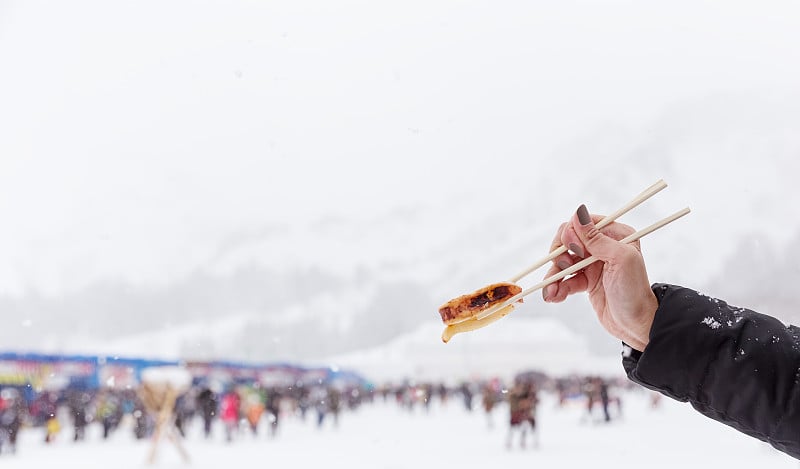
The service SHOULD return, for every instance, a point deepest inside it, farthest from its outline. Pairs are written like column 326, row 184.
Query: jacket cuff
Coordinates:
column 662, row 366
column 630, row 358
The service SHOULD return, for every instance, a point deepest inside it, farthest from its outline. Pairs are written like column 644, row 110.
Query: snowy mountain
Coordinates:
column 358, row 287
column 296, row 186
column 544, row 344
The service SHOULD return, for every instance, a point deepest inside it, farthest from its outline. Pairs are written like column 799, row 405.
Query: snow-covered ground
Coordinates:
column 383, row 436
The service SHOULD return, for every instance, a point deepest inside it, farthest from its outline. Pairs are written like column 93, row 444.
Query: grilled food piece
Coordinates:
column 467, row 306
column 474, row 324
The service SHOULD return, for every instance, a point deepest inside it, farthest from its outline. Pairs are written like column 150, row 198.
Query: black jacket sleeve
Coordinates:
column 732, row 364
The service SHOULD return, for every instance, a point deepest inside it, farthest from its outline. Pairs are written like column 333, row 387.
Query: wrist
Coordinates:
column 640, row 330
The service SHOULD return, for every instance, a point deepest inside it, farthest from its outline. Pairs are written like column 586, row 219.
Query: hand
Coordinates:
column 617, row 283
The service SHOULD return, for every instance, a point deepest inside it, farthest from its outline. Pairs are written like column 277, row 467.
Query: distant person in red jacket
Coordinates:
column 229, row 413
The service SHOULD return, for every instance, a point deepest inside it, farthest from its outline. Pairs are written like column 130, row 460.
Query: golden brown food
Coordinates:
column 474, row 324
column 467, row 306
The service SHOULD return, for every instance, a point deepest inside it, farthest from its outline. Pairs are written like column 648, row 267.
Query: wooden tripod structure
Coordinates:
column 158, row 397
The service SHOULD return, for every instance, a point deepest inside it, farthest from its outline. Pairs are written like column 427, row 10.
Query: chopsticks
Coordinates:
column 589, row 260
column 502, row 309
column 644, row 195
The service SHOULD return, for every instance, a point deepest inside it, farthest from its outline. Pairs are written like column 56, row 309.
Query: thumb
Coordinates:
column 596, row 243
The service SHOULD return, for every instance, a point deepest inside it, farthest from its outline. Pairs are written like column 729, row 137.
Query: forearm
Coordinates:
column 732, row 364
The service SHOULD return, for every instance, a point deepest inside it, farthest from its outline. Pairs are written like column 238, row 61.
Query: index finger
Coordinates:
column 563, row 260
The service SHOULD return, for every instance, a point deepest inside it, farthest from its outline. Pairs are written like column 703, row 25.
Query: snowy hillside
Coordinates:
column 302, row 181
column 543, row 344
column 337, row 286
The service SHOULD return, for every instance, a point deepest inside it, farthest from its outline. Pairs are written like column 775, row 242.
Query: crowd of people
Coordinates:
column 66, row 414
column 236, row 411
column 600, row 397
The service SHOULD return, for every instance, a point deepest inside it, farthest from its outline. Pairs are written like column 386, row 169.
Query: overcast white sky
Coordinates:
column 136, row 136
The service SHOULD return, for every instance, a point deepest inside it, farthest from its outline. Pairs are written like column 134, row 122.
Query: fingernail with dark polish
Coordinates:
column 562, row 264
column 576, row 249
column 583, row 215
